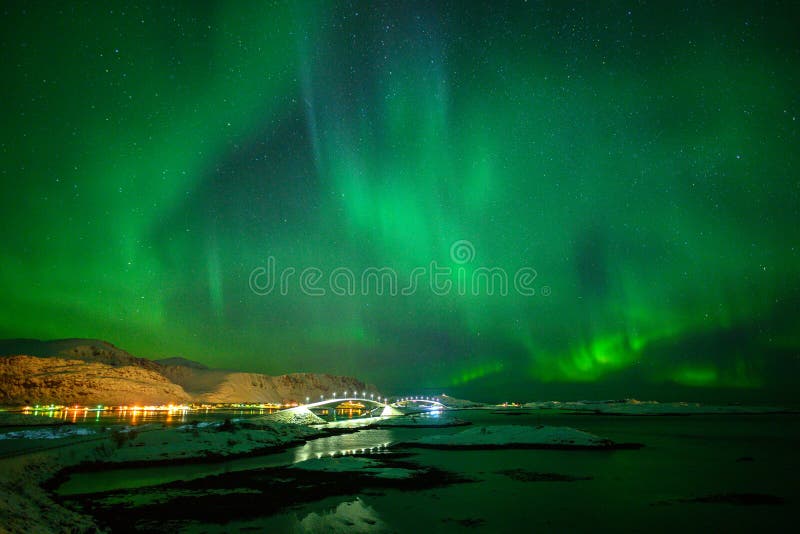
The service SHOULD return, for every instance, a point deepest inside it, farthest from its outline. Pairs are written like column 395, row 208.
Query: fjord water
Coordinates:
column 683, row 458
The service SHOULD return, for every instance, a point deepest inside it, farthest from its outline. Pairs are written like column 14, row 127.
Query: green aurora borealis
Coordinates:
column 642, row 157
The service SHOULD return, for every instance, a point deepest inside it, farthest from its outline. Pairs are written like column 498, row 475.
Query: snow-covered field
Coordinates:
column 361, row 465
column 352, row 516
column 293, row 416
column 59, row 432
column 26, row 506
column 452, row 402
column 192, row 442
column 514, row 436
column 358, row 422
column 419, row 421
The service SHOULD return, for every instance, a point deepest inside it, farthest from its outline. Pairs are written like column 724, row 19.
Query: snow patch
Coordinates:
column 420, row 421
column 293, row 416
column 48, row 433
column 354, row 516
column 511, row 435
column 349, row 464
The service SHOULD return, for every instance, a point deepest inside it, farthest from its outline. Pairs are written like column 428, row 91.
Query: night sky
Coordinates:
column 641, row 157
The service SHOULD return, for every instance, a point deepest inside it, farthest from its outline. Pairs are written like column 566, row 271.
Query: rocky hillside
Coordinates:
column 88, row 350
column 33, row 380
column 253, row 387
column 220, row 386
column 88, row 371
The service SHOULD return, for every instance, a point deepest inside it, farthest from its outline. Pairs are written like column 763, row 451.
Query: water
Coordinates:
column 108, row 416
column 683, row 458
column 87, row 416
column 112, row 479
column 343, row 444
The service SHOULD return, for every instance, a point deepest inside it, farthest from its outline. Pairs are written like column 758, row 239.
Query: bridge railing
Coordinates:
column 379, row 402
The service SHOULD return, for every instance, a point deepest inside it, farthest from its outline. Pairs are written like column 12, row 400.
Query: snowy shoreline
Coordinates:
column 517, row 437
column 419, row 421
column 27, row 480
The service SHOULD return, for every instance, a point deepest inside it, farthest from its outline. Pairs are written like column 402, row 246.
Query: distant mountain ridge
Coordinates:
column 182, row 362
column 83, row 371
column 88, row 350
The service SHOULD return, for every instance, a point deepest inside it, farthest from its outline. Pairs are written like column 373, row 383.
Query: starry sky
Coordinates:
column 639, row 157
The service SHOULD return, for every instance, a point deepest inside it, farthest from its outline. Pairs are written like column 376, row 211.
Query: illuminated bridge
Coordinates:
column 377, row 404
column 394, row 406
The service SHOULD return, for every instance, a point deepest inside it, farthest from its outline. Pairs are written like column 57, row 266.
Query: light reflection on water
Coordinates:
column 683, row 457
column 364, row 442
column 356, row 443
column 140, row 416
column 335, row 515
column 349, row 516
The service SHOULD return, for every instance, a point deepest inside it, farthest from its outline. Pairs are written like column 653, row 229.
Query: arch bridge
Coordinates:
column 381, row 403
column 342, row 400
